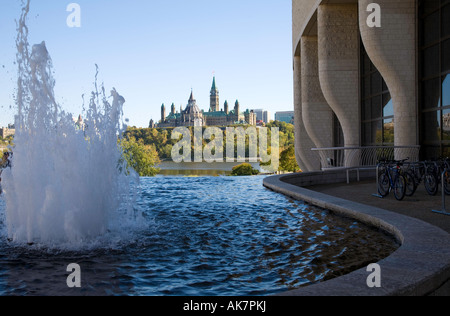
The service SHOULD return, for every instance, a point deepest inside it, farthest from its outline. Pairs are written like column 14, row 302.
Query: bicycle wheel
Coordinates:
column 431, row 183
column 411, row 185
column 383, row 184
column 399, row 187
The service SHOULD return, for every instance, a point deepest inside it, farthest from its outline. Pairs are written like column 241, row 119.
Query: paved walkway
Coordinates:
column 419, row 206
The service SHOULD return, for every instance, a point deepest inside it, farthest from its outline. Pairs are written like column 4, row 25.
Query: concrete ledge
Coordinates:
column 328, row 177
column 421, row 266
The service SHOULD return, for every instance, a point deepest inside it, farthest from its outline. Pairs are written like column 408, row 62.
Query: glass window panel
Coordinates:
column 388, row 131
column 431, row 61
column 338, row 133
column 385, row 87
column 445, row 62
column 429, row 5
column 445, row 18
column 432, row 126
column 446, row 125
column 377, row 107
column 445, row 152
column 376, row 83
column 377, row 131
column 366, row 84
column 367, row 64
column 388, row 109
column 446, row 91
column 431, row 29
column 431, row 152
column 431, row 93
column 367, row 134
column 367, row 108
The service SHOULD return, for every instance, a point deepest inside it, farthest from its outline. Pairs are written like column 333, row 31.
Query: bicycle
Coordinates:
column 418, row 172
column 434, row 170
column 443, row 171
column 390, row 178
column 411, row 183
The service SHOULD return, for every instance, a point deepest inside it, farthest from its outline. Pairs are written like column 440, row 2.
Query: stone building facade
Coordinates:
column 7, row 131
column 193, row 116
column 365, row 70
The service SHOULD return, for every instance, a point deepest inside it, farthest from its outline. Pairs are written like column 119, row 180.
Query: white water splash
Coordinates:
column 67, row 184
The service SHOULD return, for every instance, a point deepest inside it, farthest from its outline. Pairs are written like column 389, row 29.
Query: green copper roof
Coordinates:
column 173, row 116
column 214, row 88
column 215, row 114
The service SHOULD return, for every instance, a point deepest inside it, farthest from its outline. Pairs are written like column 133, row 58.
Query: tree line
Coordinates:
column 145, row 148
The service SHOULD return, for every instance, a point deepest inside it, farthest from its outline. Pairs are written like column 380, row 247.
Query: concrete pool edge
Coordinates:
column 421, row 266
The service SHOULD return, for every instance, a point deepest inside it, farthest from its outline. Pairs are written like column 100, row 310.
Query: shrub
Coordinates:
column 244, row 169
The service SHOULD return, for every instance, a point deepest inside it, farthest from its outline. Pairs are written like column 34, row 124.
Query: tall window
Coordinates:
column 434, row 33
column 376, row 105
column 338, row 133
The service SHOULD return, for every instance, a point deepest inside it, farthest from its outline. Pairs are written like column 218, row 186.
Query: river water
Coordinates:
column 202, row 236
column 170, row 168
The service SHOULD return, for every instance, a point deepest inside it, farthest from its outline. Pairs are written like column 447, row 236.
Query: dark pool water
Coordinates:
column 205, row 236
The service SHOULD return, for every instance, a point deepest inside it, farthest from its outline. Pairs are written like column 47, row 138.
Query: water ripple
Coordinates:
column 208, row 236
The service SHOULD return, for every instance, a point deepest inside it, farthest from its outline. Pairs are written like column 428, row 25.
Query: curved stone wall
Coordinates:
column 339, row 65
column 421, row 266
column 316, row 111
column 302, row 11
column 307, row 159
column 392, row 49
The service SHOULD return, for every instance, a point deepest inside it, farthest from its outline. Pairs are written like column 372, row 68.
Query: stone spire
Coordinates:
column 214, row 88
column 163, row 113
column 214, row 99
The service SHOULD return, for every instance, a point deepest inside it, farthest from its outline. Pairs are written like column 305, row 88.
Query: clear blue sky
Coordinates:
column 155, row 51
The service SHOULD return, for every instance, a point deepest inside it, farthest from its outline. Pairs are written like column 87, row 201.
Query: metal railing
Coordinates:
column 354, row 157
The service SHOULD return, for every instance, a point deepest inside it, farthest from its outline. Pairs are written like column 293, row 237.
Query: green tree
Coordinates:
column 244, row 169
column 286, row 146
column 142, row 158
column 288, row 161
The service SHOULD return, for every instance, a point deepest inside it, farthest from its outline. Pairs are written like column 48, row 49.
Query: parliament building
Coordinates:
column 193, row 116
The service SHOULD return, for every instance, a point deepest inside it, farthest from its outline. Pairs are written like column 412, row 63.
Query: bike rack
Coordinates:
column 378, row 194
column 444, row 211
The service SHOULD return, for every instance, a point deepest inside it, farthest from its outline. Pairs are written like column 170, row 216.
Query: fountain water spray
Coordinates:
column 68, row 184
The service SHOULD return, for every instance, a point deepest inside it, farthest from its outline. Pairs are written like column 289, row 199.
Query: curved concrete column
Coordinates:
column 392, row 49
column 339, row 65
column 307, row 160
column 317, row 114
